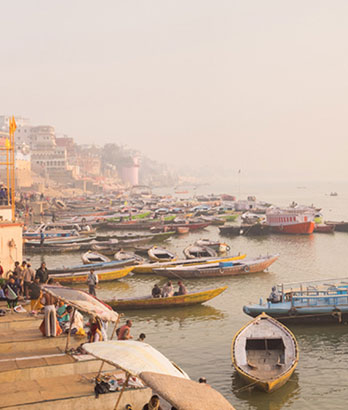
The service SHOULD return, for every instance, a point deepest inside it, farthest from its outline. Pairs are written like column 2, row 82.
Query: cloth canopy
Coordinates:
column 134, row 357
column 185, row 394
column 83, row 301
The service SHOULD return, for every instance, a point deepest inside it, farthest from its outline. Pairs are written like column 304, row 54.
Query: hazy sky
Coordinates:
column 258, row 85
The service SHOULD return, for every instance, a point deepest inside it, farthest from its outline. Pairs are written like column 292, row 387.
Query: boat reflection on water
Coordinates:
column 257, row 399
column 177, row 315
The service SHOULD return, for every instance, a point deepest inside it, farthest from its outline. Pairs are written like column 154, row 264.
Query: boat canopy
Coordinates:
column 83, row 301
column 134, row 357
column 185, row 394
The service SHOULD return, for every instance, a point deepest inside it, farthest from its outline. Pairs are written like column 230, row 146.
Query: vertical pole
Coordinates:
column 115, row 328
column 123, row 389
column 8, row 175
column 13, row 179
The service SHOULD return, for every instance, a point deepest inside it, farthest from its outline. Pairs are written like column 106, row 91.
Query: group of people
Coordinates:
column 168, row 290
column 22, row 282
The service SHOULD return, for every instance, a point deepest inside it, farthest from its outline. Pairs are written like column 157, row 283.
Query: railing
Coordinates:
column 323, row 299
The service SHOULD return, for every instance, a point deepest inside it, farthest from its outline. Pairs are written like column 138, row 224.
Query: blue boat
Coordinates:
column 313, row 301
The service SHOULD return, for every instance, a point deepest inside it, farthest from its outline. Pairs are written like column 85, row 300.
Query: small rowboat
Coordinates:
column 158, row 254
column 218, row 269
column 93, row 257
column 122, row 255
column 265, row 353
column 81, row 277
column 195, row 251
column 148, row 302
column 218, row 246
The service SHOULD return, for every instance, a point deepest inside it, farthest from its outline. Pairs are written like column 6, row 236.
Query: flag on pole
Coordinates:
column 12, row 125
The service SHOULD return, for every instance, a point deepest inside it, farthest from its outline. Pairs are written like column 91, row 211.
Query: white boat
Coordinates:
column 195, row 251
column 265, row 353
column 93, row 257
column 160, row 254
column 123, row 255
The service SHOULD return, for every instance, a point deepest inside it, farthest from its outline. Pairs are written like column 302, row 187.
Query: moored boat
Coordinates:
column 123, row 255
column 218, row 269
column 96, row 266
column 324, row 228
column 265, row 353
column 148, row 268
column 158, row 254
column 312, row 301
column 218, row 246
column 196, row 251
column 94, row 257
column 290, row 221
column 339, row 226
column 81, row 277
column 148, row 302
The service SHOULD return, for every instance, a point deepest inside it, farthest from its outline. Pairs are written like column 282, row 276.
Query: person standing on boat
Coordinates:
column 92, row 281
column 42, row 237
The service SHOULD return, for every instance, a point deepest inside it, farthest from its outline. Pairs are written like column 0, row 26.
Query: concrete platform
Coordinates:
column 23, row 340
column 19, row 321
column 66, row 392
column 47, row 366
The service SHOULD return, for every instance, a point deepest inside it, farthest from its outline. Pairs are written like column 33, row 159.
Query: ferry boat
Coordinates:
column 312, row 301
column 290, row 221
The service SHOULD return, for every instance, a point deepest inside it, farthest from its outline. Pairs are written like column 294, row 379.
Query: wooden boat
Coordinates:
column 265, row 353
column 218, row 246
column 148, row 268
column 142, row 250
column 182, row 230
column 148, row 302
column 230, row 230
column 108, row 250
column 323, row 228
column 318, row 301
column 218, row 269
column 81, row 277
column 339, row 226
column 195, row 251
column 93, row 257
column 122, row 255
column 158, row 254
column 56, row 241
column 96, row 266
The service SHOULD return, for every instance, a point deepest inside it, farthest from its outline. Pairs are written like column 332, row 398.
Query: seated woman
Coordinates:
column 62, row 314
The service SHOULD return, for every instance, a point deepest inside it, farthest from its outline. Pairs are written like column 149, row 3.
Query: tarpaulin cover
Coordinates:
column 81, row 300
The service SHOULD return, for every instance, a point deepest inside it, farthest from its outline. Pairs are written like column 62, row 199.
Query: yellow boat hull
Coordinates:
column 148, row 268
column 266, row 385
column 81, row 277
column 172, row 301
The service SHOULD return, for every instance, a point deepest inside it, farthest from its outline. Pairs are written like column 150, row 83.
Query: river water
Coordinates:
column 199, row 338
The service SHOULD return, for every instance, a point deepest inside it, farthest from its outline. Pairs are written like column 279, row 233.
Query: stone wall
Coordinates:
column 11, row 244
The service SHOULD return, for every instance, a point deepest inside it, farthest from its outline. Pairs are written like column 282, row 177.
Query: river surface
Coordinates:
column 199, row 338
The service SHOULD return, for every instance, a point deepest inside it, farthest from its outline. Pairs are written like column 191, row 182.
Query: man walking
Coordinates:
column 92, row 281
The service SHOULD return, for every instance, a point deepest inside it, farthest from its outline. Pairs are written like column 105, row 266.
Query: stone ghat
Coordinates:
column 36, row 373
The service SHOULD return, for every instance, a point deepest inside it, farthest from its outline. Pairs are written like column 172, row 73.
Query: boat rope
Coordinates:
column 245, row 387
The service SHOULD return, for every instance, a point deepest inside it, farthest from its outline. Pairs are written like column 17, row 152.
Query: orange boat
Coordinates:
column 290, row 221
